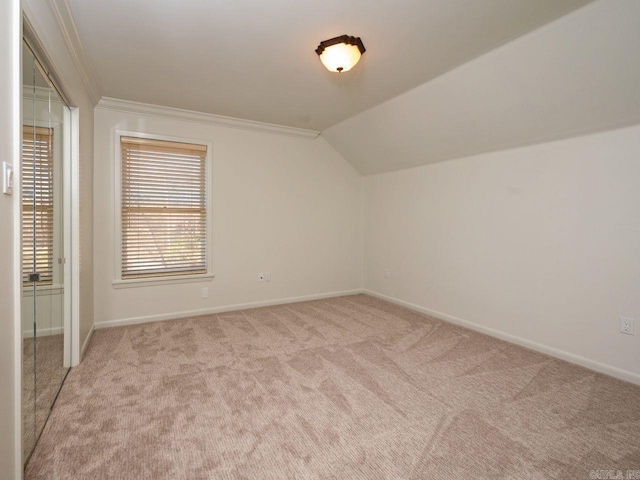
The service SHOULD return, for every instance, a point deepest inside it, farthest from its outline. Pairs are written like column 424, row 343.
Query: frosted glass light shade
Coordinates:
column 340, row 54
column 340, row 57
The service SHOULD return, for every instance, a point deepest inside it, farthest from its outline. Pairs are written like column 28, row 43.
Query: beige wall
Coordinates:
column 10, row 367
column 539, row 244
column 285, row 205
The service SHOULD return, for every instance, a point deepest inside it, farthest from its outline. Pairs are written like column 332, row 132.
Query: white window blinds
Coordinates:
column 164, row 208
column 37, row 205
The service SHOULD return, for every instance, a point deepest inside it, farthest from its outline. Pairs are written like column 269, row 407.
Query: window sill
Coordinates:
column 150, row 282
column 43, row 290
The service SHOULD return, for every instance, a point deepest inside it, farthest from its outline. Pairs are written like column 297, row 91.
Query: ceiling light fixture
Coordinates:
column 341, row 53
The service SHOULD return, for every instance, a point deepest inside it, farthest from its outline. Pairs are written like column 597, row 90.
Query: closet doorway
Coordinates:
column 46, row 302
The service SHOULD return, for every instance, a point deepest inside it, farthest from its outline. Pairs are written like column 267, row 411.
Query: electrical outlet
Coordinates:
column 267, row 277
column 205, row 292
column 626, row 325
column 261, row 277
column 387, row 274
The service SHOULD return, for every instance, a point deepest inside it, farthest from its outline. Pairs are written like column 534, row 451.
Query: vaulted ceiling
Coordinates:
column 577, row 75
column 255, row 59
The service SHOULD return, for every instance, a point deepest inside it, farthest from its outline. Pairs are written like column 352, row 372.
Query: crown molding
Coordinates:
column 128, row 106
column 64, row 19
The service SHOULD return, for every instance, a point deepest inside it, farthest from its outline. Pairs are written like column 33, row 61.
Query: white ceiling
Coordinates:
column 255, row 59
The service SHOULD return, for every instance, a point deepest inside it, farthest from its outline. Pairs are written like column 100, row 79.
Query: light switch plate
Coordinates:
column 7, row 178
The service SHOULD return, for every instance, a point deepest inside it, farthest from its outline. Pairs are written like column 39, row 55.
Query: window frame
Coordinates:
column 118, row 281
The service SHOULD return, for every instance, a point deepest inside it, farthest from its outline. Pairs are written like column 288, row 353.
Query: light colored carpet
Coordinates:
column 344, row 388
column 40, row 384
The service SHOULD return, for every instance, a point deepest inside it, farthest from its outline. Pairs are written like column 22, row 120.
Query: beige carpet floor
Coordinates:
column 344, row 388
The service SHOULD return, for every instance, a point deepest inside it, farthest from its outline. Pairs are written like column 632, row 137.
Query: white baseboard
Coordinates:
column 43, row 332
column 554, row 352
column 222, row 309
column 85, row 344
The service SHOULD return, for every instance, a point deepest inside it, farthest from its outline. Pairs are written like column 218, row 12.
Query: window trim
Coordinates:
column 118, row 281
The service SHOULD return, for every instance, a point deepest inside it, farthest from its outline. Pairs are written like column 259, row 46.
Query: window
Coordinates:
column 163, row 208
column 37, row 204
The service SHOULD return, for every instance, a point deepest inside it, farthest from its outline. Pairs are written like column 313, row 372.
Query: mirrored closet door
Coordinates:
column 45, row 327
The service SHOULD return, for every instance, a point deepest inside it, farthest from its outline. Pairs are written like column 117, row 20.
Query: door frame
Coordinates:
column 71, row 220
column 71, row 200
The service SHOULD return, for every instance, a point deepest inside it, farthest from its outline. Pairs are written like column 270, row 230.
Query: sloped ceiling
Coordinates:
column 578, row 74
column 255, row 59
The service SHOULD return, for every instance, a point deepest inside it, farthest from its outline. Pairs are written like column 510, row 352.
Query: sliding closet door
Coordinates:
column 44, row 133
